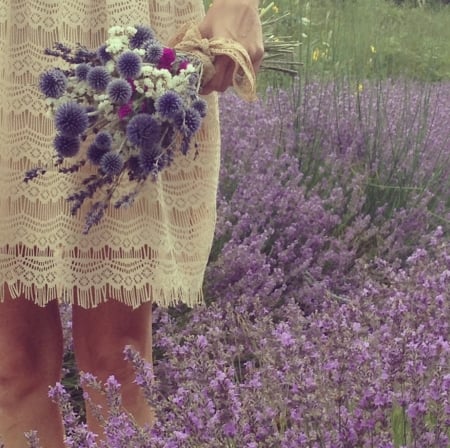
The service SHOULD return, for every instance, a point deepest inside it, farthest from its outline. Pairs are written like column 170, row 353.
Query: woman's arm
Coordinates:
column 238, row 20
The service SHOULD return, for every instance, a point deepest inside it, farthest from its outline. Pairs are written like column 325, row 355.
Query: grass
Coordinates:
column 357, row 46
column 366, row 39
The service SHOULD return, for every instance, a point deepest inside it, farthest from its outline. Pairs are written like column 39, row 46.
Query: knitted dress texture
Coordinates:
column 157, row 249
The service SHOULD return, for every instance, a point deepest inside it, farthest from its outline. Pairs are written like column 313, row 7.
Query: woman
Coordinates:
column 154, row 252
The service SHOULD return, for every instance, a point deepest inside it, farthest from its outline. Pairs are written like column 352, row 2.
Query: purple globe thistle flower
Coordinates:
column 82, row 70
column 103, row 55
column 143, row 34
column 192, row 120
column 153, row 52
column 95, row 153
column 200, row 106
column 188, row 122
column 66, row 146
column 98, row 78
column 143, row 130
column 53, row 83
column 119, row 91
column 129, row 65
column 104, row 140
column 71, row 119
column 148, row 159
column 112, row 163
column 169, row 104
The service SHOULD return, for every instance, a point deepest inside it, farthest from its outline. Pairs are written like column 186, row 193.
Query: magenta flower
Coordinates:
column 167, row 58
column 125, row 110
column 132, row 85
column 183, row 66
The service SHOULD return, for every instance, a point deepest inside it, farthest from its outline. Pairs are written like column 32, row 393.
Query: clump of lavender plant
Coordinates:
column 327, row 323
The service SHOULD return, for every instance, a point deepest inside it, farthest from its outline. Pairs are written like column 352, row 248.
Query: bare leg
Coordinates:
column 100, row 335
column 31, row 348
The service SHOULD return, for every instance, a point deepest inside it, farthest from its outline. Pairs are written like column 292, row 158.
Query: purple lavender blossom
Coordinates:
column 94, row 216
column 32, row 439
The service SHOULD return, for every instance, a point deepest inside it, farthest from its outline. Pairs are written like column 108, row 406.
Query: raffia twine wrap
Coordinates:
column 189, row 40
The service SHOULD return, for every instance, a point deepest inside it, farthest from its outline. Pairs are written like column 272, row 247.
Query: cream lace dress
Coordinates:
column 157, row 249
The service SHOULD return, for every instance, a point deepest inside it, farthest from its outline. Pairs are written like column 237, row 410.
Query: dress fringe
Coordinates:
column 95, row 296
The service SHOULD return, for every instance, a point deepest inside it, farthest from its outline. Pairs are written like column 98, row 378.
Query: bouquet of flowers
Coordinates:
column 125, row 108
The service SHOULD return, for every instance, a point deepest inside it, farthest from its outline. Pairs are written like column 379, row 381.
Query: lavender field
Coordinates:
column 328, row 312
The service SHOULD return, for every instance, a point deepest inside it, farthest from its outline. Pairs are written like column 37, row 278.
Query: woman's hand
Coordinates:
column 238, row 20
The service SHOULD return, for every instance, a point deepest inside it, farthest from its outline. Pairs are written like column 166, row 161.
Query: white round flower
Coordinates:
column 100, row 97
column 105, row 106
column 147, row 70
column 148, row 83
column 115, row 31
column 114, row 45
column 163, row 73
column 177, row 82
column 80, row 89
column 131, row 30
column 139, row 52
column 110, row 66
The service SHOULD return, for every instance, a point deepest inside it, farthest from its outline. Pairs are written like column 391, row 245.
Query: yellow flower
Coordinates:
column 373, row 49
column 360, row 87
column 316, row 54
column 275, row 9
